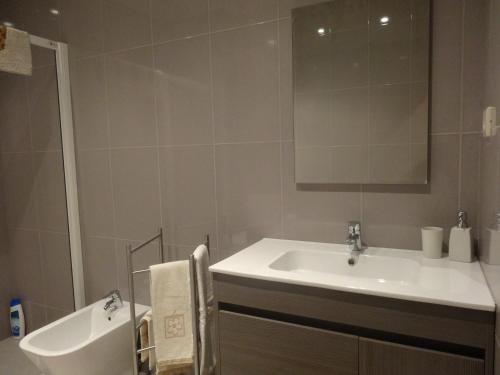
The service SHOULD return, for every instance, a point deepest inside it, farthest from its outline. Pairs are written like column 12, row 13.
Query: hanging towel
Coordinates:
column 146, row 338
column 3, row 35
column 16, row 56
column 205, row 302
column 172, row 317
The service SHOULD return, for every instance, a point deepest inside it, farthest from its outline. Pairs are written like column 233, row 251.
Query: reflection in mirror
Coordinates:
column 361, row 91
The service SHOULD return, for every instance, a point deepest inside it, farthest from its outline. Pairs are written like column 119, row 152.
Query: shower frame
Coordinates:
column 69, row 161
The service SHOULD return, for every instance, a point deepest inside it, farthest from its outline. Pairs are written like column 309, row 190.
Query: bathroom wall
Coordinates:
column 4, row 269
column 490, row 156
column 34, row 241
column 183, row 115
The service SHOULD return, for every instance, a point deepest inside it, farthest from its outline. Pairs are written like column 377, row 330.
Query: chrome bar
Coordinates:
column 146, row 349
column 140, row 271
column 207, row 243
column 130, row 266
column 162, row 253
column 194, row 309
column 145, row 243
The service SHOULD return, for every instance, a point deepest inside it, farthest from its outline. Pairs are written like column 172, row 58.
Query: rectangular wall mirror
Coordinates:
column 361, row 91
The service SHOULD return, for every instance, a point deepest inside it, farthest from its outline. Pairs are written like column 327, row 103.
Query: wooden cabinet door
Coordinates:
column 384, row 358
column 257, row 346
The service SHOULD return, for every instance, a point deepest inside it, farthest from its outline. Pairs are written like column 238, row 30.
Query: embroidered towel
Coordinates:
column 172, row 317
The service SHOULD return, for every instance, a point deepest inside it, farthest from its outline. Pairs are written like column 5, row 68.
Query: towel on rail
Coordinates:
column 15, row 57
column 205, row 303
column 172, row 317
column 146, row 339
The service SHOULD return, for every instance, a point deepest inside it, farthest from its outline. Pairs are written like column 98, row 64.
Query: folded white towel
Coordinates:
column 16, row 56
column 146, row 338
column 172, row 317
column 205, row 302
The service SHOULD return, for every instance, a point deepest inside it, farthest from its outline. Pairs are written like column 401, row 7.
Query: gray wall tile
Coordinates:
column 183, row 99
column 89, row 103
column 225, row 14
column 44, row 109
column 188, row 194
column 245, row 74
column 447, row 65
column 14, row 127
column 127, row 24
column 20, row 191
column 82, row 26
column 56, row 270
column 100, row 267
column 473, row 63
column 49, row 175
column 173, row 19
column 131, row 108
column 248, row 193
column 96, row 193
column 136, row 193
column 24, row 250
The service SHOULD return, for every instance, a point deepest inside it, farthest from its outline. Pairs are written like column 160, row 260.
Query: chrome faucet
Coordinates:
column 354, row 240
column 114, row 301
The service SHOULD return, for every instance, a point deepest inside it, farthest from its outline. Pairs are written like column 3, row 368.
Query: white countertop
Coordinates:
column 401, row 274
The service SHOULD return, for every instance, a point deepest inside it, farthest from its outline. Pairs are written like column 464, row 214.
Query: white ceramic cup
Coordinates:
column 432, row 242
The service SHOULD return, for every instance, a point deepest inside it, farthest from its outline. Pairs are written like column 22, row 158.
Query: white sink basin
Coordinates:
column 393, row 273
column 377, row 268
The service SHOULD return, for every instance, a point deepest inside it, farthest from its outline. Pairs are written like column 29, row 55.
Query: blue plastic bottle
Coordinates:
column 17, row 324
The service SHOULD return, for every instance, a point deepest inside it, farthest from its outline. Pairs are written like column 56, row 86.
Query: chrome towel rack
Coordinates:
column 134, row 328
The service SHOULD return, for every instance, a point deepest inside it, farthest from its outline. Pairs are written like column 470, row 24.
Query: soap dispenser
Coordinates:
column 460, row 249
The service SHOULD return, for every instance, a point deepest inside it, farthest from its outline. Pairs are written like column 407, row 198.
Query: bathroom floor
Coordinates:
column 13, row 361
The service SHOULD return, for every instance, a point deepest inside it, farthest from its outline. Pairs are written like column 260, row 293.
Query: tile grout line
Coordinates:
column 157, row 129
column 212, row 120
column 461, row 123
column 280, row 120
column 478, row 197
column 110, row 165
column 410, row 96
column 115, row 148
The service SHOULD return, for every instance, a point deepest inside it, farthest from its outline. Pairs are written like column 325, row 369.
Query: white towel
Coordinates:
column 205, row 302
column 172, row 317
column 146, row 337
column 16, row 56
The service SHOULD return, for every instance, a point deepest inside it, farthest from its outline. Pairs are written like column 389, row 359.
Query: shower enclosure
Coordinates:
column 40, row 244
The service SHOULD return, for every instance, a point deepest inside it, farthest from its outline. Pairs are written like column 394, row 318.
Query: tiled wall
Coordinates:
column 490, row 155
column 4, row 269
column 35, row 242
column 183, row 115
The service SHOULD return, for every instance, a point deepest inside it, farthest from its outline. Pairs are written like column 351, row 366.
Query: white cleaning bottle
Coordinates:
column 17, row 323
column 460, row 249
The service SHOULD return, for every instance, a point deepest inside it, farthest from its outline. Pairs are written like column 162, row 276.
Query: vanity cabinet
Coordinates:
column 384, row 358
column 257, row 346
column 273, row 328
